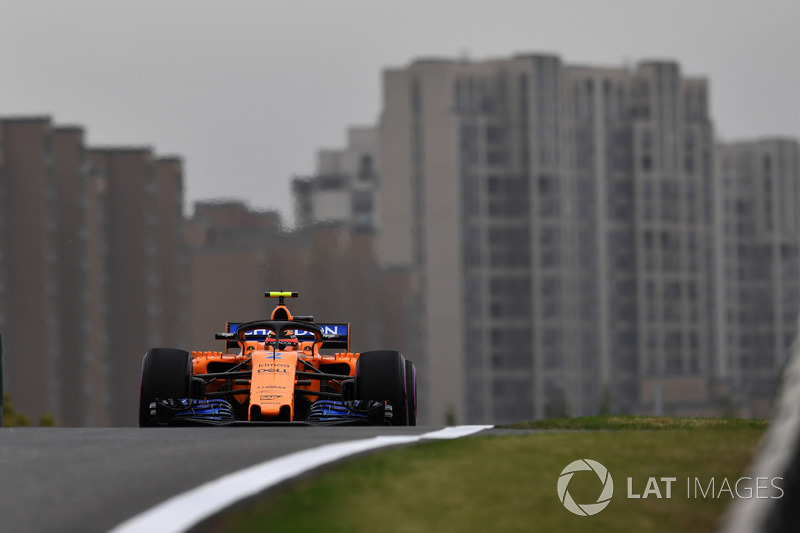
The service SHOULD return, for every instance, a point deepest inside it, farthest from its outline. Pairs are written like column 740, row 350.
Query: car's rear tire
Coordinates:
column 165, row 375
column 381, row 376
column 411, row 392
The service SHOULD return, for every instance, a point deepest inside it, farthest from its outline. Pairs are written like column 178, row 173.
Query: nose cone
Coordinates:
column 272, row 385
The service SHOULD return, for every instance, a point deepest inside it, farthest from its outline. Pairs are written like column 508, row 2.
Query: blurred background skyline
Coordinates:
column 247, row 93
column 555, row 210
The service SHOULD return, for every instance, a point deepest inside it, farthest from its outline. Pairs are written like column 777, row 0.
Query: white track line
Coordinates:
column 186, row 510
column 454, row 432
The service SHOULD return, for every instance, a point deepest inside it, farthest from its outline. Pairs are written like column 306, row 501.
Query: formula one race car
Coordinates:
column 272, row 372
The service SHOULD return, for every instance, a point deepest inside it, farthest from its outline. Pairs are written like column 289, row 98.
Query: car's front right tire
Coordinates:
column 381, row 376
column 411, row 392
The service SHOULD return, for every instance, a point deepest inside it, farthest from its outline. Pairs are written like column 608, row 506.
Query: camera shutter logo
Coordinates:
column 587, row 509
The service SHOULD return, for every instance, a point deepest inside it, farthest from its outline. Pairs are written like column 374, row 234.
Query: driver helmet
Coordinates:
column 288, row 341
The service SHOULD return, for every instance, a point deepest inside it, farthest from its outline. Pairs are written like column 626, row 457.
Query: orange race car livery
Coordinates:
column 274, row 372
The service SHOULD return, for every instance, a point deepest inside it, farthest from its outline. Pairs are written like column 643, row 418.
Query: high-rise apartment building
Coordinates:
column 91, row 270
column 172, row 261
column 344, row 187
column 143, row 220
column 69, row 168
column 560, row 219
column 228, row 247
column 758, row 276
column 29, row 278
column 337, row 217
column 98, row 387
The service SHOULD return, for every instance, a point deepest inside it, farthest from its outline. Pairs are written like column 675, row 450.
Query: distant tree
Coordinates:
column 450, row 416
column 558, row 405
column 11, row 418
column 605, row 402
column 727, row 408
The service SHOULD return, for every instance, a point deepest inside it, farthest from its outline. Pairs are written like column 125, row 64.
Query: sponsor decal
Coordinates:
column 269, row 397
column 279, row 387
column 272, row 370
column 329, row 331
column 334, row 330
column 272, row 365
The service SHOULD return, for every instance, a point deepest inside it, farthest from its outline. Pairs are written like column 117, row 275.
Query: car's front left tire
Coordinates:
column 165, row 375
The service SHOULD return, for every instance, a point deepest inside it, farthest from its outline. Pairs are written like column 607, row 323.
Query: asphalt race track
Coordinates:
column 86, row 480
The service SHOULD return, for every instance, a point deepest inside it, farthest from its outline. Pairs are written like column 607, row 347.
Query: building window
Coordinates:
column 416, row 98
column 365, row 168
column 362, row 202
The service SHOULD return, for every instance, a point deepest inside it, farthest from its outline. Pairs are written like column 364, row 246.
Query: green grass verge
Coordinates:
column 640, row 422
column 508, row 483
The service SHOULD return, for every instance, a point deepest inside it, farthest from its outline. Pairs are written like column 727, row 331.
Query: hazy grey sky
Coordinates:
column 247, row 91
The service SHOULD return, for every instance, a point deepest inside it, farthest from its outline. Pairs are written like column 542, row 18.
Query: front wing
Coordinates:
column 190, row 412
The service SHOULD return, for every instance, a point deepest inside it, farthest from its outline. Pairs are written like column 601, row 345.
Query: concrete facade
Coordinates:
column 131, row 270
column 228, row 247
column 172, row 261
column 98, row 389
column 69, row 167
column 560, row 219
column 345, row 185
column 91, row 259
column 759, row 267
column 30, row 279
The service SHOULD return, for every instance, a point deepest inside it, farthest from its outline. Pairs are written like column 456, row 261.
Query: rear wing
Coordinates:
column 335, row 336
